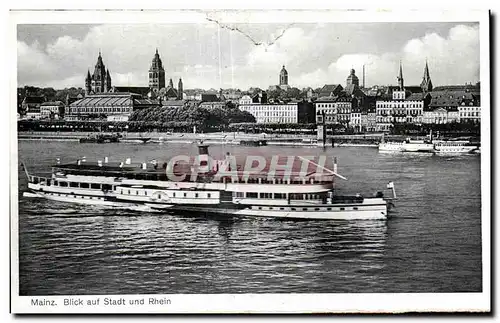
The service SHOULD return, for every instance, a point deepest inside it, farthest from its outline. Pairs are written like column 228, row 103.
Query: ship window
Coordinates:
column 95, row 186
column 121, row 191
column 252, row 195
column 104, row 186
column 270, row 208
column 73, row 184
column 304, row 209
column 260, row 207
column 136, row 192
column 316, row 209
column 209, row 195
column 355, row 208
column 342, row 208
column 159, row 196
column 63, row 184
column 196, row 194
column 84, row 185
column 282, row 208
column 279, row 195
column 128, row 192
column 293, row 209
column 185, row 194
column 55, row 183
column 145, row 193
column 240, row 194
column 173, row 194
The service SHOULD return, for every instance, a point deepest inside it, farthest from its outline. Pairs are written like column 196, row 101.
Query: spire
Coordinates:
column 426, row 71
column 170, row 83
column 156, row 50
column 400, row 76
column 426, row 84
column 88, row 75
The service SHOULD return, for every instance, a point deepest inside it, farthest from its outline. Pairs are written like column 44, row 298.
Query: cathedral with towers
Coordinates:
column 100, row 82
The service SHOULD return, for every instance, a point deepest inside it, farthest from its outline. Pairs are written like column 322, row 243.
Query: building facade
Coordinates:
column 469, row 111
column 356, row 120
column 335, row 109
column 326, row 107
column 52, row 110
column 436, row 116
column 272, row 113
column 104, row 105
column 246, row 99
column 400, row 109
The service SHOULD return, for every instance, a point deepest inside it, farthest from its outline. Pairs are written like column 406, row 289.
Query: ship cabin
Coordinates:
column 143, row 172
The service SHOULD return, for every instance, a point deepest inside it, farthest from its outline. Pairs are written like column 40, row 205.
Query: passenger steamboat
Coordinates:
column 431, row 146
column 211, row 187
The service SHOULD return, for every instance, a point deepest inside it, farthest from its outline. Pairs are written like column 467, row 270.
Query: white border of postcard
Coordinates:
column 263, row 303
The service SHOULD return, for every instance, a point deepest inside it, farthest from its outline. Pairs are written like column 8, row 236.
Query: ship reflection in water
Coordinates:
column 431, row 244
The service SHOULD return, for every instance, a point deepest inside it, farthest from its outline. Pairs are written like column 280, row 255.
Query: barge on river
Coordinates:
column 211, row 188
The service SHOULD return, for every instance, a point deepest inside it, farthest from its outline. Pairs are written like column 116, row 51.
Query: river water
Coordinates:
column 431, row 243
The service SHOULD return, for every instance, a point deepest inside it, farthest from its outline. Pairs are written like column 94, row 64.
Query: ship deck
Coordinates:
column 159, row 173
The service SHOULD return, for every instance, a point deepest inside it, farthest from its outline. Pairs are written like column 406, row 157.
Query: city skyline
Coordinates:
column 250, row 55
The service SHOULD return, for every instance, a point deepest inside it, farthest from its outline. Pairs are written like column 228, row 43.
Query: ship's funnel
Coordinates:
column 203, row 159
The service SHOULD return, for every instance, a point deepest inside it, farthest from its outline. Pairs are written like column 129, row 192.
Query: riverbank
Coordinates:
column 297, row 140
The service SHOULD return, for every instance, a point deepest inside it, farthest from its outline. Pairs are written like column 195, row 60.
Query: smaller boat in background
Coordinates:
column 453, row 147
column 101, row 138
column 408, row 145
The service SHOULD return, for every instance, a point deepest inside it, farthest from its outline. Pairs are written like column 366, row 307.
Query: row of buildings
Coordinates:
column 355, row 107
column 352, row 106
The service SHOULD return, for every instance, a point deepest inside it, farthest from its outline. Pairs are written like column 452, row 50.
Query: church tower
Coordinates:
column 107, row 82
column 400, row 77
column 426, row 84
column 283, row 77
column 352, row 79
column 156, row 73
column 88, row 83
column 180, row 90
column 99, row 76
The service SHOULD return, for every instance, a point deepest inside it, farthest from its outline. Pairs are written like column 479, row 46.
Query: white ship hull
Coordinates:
column 374, row 212
column 369, row 209
column 406, row 147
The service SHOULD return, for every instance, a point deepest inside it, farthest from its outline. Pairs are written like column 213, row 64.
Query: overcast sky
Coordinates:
column 208, row 56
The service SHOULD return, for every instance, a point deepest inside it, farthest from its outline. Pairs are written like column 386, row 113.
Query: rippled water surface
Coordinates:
column 432, row 243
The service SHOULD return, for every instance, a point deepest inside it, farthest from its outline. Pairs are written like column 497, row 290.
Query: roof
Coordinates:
column 145, row 102
column 416, row 97
column 450, row 98
column 331, row 88
column 327, row 99
column 59, row 103
column 465, row 87
column 352, row 89
column 107, row 99
column 142, row 90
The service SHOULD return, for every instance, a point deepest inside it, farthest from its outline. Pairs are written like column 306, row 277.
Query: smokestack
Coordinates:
column 363, row 76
